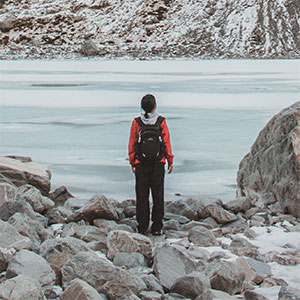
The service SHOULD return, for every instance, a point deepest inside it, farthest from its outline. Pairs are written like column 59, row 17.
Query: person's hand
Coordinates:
column 133, row 169
column 170, row 169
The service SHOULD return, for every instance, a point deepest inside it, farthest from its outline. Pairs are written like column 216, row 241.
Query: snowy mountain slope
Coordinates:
column 159, row 28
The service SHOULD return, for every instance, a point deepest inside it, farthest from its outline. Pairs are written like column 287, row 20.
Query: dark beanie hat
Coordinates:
column 148, row 103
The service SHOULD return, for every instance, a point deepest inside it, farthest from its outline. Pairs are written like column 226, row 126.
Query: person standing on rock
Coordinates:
column 149, row 147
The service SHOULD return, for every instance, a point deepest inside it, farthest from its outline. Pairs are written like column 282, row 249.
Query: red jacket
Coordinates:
column 165, row 135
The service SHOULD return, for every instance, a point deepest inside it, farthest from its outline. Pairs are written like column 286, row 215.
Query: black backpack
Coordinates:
column 150, row 147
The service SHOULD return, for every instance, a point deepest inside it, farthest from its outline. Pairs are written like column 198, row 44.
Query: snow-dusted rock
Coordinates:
column 21, row 287
column 124, row 241
column 251, row 295
column 30, row 264
column 20, row 171
column 148, row 29
column 273, row 163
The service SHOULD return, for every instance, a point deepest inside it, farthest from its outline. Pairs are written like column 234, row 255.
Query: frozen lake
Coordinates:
column 74, row 117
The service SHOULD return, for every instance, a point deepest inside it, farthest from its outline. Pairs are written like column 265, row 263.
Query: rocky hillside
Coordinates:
column 146, row 29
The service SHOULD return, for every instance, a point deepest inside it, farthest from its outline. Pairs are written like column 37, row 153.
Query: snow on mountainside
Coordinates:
column 142, row 29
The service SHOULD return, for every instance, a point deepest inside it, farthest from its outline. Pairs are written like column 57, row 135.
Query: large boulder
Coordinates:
column 170, row 264
column 191, row 285
column 10, row 238
column 101, row 274
column 32, row 265
column 124, row 241
column 59, row 250
column 273, row 163
column 201, row 236
column 255, row 270
column 97, row 207
column 20, row 171
column 226, row 276
column 181, row 207
column 21, row 288
column 79, row 289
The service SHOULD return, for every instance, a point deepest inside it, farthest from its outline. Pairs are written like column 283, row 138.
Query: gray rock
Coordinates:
column 27, row 227
column 79, row 289
column 97, row 207
column 105, row 225
column 201, row 236
column 129, row 260
column 59, row 250
column 241, row 204
column 5, row 256
column 10, row 238
column 221, row 215
column 181, row 207
column 242, row 247
column 289, row 293
column 226, row 276
column 151, row 295
column 191, row 285
column 130, row 211
column 8, row 23
column 58, row 215
column 174, row 296
column 212, row 294
column 172, row 225
column 123, row 241
column 87, row 233
column 254, row 270
column 8, row 193
column 101, row 274
column 179, row 218
column 19, row 172
column 152, row 283
column 89, row 48
column 198, row 253
column 251, row 295
column 171, row 264
column 60, row 196
column 257, row 221
column 273, row 163
column 29, row 264
column 239, row 242
column 34, row 197
column 21, row 288
column 236, row 226
column 190, row 225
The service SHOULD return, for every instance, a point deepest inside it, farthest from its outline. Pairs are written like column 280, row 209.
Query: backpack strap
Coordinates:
column 140, row 122
column 159, row 120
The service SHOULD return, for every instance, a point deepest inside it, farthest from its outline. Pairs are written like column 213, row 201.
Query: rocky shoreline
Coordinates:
column 50, row 248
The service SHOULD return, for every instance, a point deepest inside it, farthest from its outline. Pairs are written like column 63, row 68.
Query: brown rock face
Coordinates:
column 273, row 163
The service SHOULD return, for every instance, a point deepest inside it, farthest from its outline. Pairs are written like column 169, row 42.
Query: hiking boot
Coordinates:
column 156, row 232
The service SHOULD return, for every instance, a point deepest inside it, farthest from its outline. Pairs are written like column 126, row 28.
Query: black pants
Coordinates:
column 149, row 177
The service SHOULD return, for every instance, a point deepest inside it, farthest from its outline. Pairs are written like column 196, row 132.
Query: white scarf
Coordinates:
column 152, row 118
